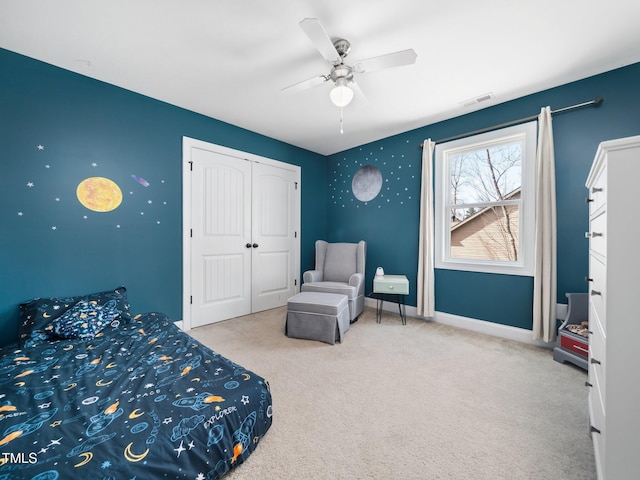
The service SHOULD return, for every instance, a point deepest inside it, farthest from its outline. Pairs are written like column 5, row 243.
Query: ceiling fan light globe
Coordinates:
column 341, row 95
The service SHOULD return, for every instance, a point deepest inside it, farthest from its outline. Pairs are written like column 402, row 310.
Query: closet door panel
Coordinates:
column 273, row 219
column 221, row 219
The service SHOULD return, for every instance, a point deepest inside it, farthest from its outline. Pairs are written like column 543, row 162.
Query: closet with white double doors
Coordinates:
column 241, row 242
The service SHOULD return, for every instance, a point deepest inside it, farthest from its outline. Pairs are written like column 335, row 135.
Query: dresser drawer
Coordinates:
column 597, row 234
column 595, row 400
column 597, row 192
column 598, row 290
column 597, row 395
column 597, row 364
column 397, row 284
column 597, row 421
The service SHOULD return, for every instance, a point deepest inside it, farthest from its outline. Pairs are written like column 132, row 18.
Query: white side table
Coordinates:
column 397, row 285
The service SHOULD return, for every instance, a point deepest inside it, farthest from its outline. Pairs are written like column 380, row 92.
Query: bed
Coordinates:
column 89, row 391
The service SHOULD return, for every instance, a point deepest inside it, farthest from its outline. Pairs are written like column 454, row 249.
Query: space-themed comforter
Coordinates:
column 146, row 401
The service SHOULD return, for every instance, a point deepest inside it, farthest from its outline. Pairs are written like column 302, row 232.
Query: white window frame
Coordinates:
column 525, row 264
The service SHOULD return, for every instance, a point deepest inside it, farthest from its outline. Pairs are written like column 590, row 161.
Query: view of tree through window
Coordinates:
column 484, row 198
column 485, row 201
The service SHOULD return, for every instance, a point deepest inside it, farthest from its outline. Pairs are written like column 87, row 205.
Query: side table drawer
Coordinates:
column 397, row 284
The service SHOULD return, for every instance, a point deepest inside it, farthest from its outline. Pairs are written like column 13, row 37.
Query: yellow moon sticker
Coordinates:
column 87, row 456
column 99, row 194
column 129, row 455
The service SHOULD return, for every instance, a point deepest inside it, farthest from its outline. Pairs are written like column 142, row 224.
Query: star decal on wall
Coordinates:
column 46, row 176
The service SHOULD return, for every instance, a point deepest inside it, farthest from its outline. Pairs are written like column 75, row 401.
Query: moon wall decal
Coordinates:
column 99, row 194
column 366, row 183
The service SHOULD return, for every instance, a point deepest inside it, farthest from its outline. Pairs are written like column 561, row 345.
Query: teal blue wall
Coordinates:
column 89, row 128
column 81, row 122
column 389, row 223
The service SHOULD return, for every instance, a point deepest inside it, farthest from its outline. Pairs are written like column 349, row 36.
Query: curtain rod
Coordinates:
column 596, row 101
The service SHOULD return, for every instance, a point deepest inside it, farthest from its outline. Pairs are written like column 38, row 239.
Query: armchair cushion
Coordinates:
column 340, row 262
column 331, row 287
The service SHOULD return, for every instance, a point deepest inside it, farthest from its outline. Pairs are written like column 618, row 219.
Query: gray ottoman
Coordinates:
column 318, row 316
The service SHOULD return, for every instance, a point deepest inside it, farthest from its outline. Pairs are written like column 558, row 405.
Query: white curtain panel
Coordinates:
column 544, row 281
column 426, row 295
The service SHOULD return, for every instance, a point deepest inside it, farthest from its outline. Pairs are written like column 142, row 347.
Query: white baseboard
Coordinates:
column 480, row 326
column 179, row 324
column 496, row 329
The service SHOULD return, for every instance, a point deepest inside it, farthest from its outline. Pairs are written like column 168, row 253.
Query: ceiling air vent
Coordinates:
column 479, row 99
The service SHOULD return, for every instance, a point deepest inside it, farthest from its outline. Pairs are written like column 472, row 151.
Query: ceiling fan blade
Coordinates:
column 320, row 39
column 311, row 82
column 390, row 60
column 358, row 93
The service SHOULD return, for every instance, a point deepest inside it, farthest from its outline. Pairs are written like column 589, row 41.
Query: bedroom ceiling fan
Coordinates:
column 342, row 74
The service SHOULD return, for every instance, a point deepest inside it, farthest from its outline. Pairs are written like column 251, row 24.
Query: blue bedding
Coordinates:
column 142, row 401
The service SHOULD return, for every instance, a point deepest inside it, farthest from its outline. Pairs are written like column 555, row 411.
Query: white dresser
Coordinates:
column 614, row 309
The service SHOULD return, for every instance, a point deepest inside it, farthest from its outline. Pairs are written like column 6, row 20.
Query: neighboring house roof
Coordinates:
column 476, row 216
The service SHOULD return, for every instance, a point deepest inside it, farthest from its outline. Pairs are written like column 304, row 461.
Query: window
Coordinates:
column 485, row 201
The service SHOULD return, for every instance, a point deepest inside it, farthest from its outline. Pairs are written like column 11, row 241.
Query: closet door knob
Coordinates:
column 248, row 245
column 255, row 245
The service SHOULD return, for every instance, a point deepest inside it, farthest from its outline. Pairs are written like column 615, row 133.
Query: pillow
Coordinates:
column 37, row 314
column 84, row 320
column 120, row 297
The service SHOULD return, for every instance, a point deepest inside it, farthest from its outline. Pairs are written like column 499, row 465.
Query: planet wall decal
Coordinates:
column 99, row 194
column 366, row 183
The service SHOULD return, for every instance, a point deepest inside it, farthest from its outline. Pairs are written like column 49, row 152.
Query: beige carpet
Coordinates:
column 416, row 401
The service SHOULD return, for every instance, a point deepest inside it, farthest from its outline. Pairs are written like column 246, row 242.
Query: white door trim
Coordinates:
column 187, row 144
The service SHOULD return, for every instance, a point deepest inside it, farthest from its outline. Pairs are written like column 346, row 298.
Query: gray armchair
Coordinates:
column 339, row 269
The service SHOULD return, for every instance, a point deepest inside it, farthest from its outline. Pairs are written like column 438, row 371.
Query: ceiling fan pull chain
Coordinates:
column 341, row 122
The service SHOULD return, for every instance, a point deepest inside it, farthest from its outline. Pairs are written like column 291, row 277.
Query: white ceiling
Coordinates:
column 230, row 59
